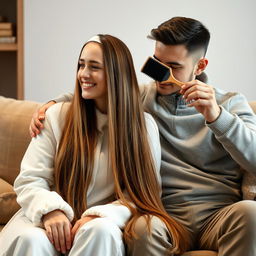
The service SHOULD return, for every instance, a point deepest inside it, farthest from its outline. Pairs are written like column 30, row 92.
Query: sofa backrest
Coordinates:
column 253, row 105
column 15, row 117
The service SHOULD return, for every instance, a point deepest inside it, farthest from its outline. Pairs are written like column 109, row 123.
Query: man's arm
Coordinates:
column 233, row 126
column 235, row 129
column 36, row 124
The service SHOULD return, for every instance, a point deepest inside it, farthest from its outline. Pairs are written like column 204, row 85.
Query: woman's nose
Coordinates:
column 85, row 72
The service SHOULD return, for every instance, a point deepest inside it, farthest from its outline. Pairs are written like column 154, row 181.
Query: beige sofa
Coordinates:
column 15, row 117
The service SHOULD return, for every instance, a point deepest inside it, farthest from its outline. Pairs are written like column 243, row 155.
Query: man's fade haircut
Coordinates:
column 182, row 31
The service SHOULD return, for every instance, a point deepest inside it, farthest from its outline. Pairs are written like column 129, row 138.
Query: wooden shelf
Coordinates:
column 8, row 47
column 12, row 54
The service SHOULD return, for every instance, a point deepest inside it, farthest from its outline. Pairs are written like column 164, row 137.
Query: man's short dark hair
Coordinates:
column 182, row 31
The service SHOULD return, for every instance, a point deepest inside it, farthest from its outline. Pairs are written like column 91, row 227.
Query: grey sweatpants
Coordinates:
column 231, row 231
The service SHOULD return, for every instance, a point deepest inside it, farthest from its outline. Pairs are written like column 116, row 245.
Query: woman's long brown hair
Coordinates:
column 129, row 151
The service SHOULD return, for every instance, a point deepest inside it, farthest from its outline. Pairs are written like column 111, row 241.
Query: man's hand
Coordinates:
column 36, row 124
column 202, row 97
column 80, row 223
column 58, row 230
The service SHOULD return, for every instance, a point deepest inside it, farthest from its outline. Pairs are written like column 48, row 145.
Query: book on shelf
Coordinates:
column 7, row 39
column 6, row 32
column 6, row 25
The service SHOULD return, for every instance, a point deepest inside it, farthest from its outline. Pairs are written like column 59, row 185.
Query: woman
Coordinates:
column 92, row 172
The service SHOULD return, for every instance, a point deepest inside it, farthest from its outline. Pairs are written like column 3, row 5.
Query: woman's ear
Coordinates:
column 201, row 65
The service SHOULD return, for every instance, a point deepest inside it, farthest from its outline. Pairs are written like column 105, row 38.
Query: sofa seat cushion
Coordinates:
column 200, row 253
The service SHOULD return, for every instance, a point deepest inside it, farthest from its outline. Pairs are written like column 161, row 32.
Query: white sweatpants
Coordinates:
column 100, row 236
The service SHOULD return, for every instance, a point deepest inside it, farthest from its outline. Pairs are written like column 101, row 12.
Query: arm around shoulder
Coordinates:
column 66, row 97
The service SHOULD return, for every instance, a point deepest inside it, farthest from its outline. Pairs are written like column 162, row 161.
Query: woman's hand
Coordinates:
column 80, row 223
column 58, row 230
column 36, row 124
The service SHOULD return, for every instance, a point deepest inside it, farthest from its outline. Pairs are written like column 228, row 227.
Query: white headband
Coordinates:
column 94, row 39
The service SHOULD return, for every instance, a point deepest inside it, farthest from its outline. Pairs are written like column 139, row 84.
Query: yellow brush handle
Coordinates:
column 172, row 79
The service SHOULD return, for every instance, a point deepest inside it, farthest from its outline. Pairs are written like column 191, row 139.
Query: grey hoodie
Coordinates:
column 202, row 163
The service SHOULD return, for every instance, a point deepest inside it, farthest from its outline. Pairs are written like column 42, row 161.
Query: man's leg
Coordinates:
column 232, row 230
column 154, row 244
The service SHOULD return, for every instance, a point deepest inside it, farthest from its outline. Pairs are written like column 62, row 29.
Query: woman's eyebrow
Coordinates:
column 90, row 61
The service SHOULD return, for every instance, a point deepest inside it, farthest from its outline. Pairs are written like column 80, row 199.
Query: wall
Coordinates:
column 55, row 31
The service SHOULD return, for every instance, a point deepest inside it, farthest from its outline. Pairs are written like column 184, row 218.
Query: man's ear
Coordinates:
column 200, row 67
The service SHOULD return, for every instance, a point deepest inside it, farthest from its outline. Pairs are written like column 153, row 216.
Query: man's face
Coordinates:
column 183, row 65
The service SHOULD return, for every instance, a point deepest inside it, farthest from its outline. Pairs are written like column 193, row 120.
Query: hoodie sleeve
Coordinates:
column 235, row 129
column 33, row 184
column 115, row 211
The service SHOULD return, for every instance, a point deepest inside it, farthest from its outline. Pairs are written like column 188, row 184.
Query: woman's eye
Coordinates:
column 95, row 67
column 83, row 66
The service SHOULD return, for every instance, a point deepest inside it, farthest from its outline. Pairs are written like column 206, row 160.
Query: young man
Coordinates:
column 207, row 137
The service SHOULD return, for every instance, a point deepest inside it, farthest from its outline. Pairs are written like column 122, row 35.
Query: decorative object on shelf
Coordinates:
column 7, row 39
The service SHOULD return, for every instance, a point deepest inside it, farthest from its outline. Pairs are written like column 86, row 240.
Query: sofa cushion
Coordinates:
column 8, row 206
column 253, row 105
column 5, row 187
column 8, row 203
column 200, row 253
column 249, row 186
column 14, row 135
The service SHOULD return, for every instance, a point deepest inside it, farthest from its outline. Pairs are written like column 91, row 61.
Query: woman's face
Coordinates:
column 91, row 75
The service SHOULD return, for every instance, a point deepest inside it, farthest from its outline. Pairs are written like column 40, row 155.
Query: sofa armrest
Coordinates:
column 5, row 186
column 249, row 180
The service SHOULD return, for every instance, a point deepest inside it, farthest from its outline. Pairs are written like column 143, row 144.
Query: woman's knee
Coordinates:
column 32, row 241
column 34, row 237
column 101, row 228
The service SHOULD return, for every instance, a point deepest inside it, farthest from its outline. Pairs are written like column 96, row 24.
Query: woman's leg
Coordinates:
column 20, row 237
column 98, row 237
